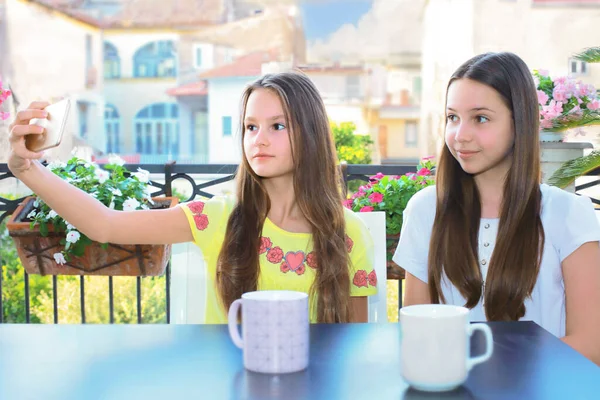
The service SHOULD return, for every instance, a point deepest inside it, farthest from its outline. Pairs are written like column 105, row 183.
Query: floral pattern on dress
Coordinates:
column 200, row 219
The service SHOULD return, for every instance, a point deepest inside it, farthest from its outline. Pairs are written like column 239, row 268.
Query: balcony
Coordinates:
column 100, row 299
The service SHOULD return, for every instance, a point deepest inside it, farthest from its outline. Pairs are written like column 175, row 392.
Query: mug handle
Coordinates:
column 232, row 323
column 489, row 344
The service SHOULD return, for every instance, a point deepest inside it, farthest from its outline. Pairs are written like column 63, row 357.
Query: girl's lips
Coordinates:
column 466, row 154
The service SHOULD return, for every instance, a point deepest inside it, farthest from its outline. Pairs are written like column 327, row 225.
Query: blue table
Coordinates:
column 353, row 361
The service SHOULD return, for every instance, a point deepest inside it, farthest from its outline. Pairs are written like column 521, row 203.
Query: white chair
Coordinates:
column 188, row 284
column 375, row 221
column 188, row 277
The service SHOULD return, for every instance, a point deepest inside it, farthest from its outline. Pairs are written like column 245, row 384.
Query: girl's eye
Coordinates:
column 452, row 118
column 482, row 119
column 250, row 127
column 279, row 127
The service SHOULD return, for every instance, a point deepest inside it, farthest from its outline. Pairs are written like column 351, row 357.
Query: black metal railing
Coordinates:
column 214, row 174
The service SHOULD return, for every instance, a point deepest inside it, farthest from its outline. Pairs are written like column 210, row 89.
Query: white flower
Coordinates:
column 115, row 159
column 148, row 195
column 116, row 192
column 59, row 258
column 69, row 226
column 55, row 165
column 130, row 204
column 52, row 214
column 142, row 175
column 95, row 195
column 36, row 203
column 112, row 205
column 102, row 175
column 73, row 236
column 31, row 215
column 145, row 207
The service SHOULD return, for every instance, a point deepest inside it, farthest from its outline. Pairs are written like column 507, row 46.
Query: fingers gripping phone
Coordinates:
column 54, row 126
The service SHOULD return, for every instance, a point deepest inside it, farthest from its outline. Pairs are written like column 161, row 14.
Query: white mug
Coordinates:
column 435, row 347
column 274, row 330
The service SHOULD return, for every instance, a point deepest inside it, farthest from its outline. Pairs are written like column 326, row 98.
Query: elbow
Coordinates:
column 587, row 346
column 100, row 231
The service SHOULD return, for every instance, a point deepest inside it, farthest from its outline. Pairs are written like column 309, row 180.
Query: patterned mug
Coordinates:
column 275, row 329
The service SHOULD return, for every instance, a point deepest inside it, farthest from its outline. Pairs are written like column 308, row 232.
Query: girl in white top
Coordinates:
column 498, row 242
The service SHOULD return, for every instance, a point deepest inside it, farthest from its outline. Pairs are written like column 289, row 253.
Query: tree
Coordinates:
column 350, row 147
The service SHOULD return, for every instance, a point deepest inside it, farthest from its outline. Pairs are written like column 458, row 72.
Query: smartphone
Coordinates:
column 54, row 127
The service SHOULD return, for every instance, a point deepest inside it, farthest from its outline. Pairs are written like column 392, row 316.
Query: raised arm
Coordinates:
column 83, row 211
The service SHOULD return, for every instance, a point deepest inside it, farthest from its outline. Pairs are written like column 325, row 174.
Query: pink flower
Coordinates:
column 311, row 260
column 360, row 279
column 4, row 116
column 424, row 172
column 552, row 110
column 201, row 221
column 366, row 209
column 378, row 176
column 349, row 243
column 376, row 198
column 275, row 255
column 560, row 80
column 372, row 277
column 593, row 105
column 560, row 93
column 265, row 244
column 542, row 97
column 546, row 124
column 348, row 203
column 428, row 158
column 196, row 207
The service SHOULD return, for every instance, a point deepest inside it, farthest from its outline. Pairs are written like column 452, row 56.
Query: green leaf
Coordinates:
column 589, row 55
column 572, row 169
column 44, row 228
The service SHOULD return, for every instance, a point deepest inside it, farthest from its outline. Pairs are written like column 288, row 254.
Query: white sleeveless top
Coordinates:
column 569, row 221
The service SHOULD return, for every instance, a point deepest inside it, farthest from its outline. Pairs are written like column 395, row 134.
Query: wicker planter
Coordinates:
column 36, row 251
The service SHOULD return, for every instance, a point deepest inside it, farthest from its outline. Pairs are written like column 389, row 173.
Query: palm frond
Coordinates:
column 561, row 126
column 589, row 55
column 572, row 169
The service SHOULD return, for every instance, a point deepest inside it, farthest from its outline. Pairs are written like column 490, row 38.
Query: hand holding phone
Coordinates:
column 54, row 126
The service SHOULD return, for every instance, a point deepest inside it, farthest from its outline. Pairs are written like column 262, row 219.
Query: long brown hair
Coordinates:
column 318, row 194
column 515, row 262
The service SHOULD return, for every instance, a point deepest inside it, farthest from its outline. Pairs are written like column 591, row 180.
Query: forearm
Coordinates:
column 80, row 209
column 588, row 347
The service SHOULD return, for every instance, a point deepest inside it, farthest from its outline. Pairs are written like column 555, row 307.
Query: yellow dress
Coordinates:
column 286, row 258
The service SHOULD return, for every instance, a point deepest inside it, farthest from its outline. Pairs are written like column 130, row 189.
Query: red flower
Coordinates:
column 285, row 268
column 424, row 172
column 196, row 207
column 265, row 244
column 372, row 278
column 349, row 243
column 300, row 270
column 360, row 279
column 366, row 209
column 275, row 255
column 311, row 259
column 201, row 221
column 377, row 177
column 376, row 198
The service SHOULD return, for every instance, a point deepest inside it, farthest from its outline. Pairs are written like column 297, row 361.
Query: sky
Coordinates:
column 342, row 30
column 322, row 18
